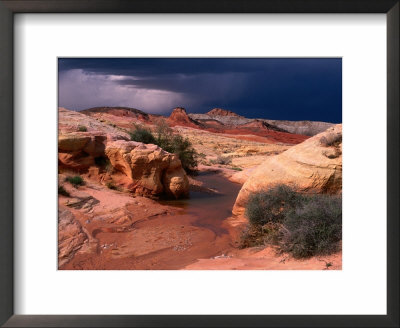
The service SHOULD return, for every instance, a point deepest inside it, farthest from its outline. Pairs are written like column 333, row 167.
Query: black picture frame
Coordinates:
column 10, row 7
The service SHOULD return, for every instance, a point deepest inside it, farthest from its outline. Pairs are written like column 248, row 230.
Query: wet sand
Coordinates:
column 200, row 233
column 162, row 235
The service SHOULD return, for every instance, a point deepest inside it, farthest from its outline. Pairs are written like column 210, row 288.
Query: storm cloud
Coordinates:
column 274, row 88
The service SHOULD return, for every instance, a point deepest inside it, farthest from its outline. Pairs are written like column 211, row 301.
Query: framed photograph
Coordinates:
column 219, row 164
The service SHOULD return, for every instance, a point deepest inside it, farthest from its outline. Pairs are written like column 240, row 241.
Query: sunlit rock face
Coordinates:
column 311, row 166
column 151, row 170
column 140, row 168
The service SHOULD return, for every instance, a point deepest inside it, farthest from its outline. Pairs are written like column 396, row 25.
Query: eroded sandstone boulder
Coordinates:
column 71, row 237
column 78, row 150
column 151, row 170
column 143, row 169
column 314, row 165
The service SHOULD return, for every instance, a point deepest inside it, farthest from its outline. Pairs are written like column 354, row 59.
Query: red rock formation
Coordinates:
column 261, row 126
column 142, row 169
column 181, row 118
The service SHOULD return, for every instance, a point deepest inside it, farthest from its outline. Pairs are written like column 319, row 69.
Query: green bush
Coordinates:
column 163, row 135
column 62, row 191
column 142, row 134
column 111, row 186
column 183, row 148
column 303, row 225
column 82, row 128
column 170, row 142
column 75, row 180
column 272, row 205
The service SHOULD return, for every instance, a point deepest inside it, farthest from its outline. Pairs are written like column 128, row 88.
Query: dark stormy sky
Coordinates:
column 284, row 88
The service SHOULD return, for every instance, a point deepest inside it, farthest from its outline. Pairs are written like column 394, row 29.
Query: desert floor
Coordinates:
column 127, row 232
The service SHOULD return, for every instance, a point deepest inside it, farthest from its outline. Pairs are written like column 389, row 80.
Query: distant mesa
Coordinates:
column 222, row 112
column 261, row 125
column 118, row 111
column 216, row 120
column 307, row 128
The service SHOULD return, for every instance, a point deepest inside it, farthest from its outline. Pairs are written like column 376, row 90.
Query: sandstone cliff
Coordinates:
column 314, row 165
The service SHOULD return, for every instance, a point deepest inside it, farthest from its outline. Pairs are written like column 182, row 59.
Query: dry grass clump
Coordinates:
column 222, row 160
column 299, row 224
column 331, row 139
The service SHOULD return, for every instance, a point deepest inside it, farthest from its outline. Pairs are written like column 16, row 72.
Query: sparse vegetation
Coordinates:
column 112, row 186
column 142, row 134
column 236, row 168
column 171, row 142
column 332, row 155
column 331, row 139
column 62, row 191
column 82, row 128
column 303, row 225
column 109, row 168
column 222, row 160
column 75, row 181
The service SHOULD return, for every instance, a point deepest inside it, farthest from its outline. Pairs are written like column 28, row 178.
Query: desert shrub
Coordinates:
column 300, row 224
column 111, row 186
column 315, row 228
column 109, row 168
column 223, row 160
column 171, row 142
column 75, row 180
column 236, row 168
column 271, row 205
column 163, row 134
column 333, row 155
column 176, row 144
column 142, row 134
column 331, row 139
column 62, row 191
column 186, row 153
column 256, row 235
column 82, row 128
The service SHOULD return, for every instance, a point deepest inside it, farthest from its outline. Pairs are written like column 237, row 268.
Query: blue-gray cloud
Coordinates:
column 292, row 89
